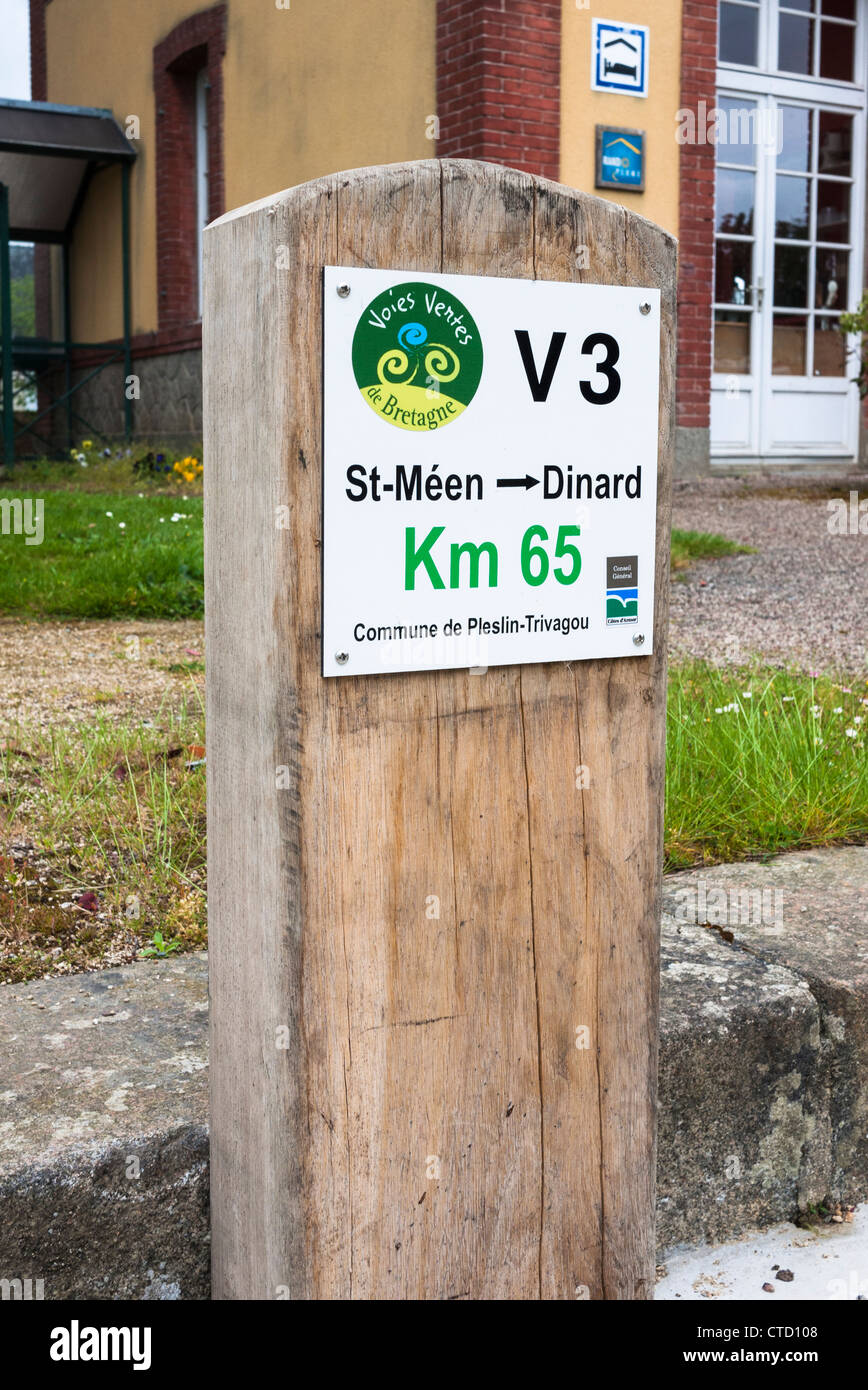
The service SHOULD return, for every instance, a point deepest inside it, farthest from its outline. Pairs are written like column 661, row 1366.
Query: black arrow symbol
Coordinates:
column 526, row 482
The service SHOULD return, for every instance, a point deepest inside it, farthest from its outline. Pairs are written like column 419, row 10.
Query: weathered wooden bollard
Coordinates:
column 434, row 850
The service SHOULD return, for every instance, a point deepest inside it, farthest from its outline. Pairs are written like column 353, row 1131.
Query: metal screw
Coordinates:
column 644, row 308
column 639, row 639
column 342, row 657
column 343, row 291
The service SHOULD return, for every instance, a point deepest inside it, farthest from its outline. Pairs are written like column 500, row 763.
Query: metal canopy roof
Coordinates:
column 47, row 156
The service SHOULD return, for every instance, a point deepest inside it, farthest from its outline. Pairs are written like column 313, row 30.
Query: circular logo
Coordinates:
column 417, row 356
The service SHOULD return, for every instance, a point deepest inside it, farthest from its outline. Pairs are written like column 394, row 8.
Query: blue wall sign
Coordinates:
column 620, row 158
column 619, row 58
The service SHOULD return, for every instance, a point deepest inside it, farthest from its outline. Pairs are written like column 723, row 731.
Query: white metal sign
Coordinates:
column 489, row 470
column 619, row 57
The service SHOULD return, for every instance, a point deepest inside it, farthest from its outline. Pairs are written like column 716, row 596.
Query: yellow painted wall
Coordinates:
column 582, row 109
column 325, row 85
column 99, row 54
column 322, row 86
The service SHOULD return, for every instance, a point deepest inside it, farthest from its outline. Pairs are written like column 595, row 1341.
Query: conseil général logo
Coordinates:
column 417, row 356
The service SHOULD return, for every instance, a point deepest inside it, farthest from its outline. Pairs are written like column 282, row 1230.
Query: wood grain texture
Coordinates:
column 417, row 1045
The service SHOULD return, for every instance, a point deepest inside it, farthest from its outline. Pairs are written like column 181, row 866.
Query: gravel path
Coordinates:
column 802, row 600
column 66, row 673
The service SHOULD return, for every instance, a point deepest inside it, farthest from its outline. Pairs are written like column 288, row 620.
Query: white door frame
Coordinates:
column 765, row 87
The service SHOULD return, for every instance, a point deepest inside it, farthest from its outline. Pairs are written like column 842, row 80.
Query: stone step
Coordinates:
column 104, row 1132
column 764, row 1042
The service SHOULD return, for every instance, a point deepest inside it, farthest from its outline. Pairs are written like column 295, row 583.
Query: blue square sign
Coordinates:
column 620, row 158
column 619, row 58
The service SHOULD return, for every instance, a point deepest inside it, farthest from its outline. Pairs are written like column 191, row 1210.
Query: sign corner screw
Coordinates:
column 343, row 291
column 644, row 307
column 343, row 657
column 639, row 639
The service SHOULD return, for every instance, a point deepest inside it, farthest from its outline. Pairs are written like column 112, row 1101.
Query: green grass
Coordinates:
column 129, row 473
column 115, row 811
column 688, row 546
column 134, row 563
column 115, row 817
column 760, row 761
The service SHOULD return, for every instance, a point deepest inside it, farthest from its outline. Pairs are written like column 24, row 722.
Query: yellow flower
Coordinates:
column 87, row 444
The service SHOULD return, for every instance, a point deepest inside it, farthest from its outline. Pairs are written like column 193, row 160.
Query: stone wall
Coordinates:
column 168, row 410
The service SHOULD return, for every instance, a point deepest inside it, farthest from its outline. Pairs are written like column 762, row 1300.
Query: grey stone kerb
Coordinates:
column 103, row 1132
column 783, row 1074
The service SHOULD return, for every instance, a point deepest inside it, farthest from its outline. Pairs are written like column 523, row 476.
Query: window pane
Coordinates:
column 836, row 143
column 830, row 348
column 731, row 342
column 831, row 282
column 796, row 151
column 836, row 51
column 843, row 9
column 795, row 43
column 733, row 271
column 833, row 211
column 791, row 276
column 736, row 131
column 738, row 31
column 735, row 200
column 789, row 340
column 793, row 207
column 808, row 5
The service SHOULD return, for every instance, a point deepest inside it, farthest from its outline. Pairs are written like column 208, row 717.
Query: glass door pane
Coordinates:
column 731, row 343
column 837, row 45
column 790, row 345
column 813, row 190
column 817, row 38
column 795, row 42
column 830, row 348
column 738, row 39
column 735, row 216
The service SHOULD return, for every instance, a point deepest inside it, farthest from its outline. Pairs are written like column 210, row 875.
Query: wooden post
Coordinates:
column 359, row 1049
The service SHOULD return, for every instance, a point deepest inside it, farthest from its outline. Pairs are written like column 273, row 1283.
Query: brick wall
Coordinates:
column 38, row 69
column 498, row 82
column 198, row 41
column 696, row 219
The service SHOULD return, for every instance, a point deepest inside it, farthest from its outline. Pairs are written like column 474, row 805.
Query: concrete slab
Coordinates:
column 103, row 1132
column 808, row 914
column 828, row 1263
column 743, row 1090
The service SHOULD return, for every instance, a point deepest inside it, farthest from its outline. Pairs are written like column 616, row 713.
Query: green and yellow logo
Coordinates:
column 417, row 356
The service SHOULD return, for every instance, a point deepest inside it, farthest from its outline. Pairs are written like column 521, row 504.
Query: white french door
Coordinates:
column 789, row 218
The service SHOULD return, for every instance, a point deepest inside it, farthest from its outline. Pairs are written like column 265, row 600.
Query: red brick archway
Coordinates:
column 197, row 42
